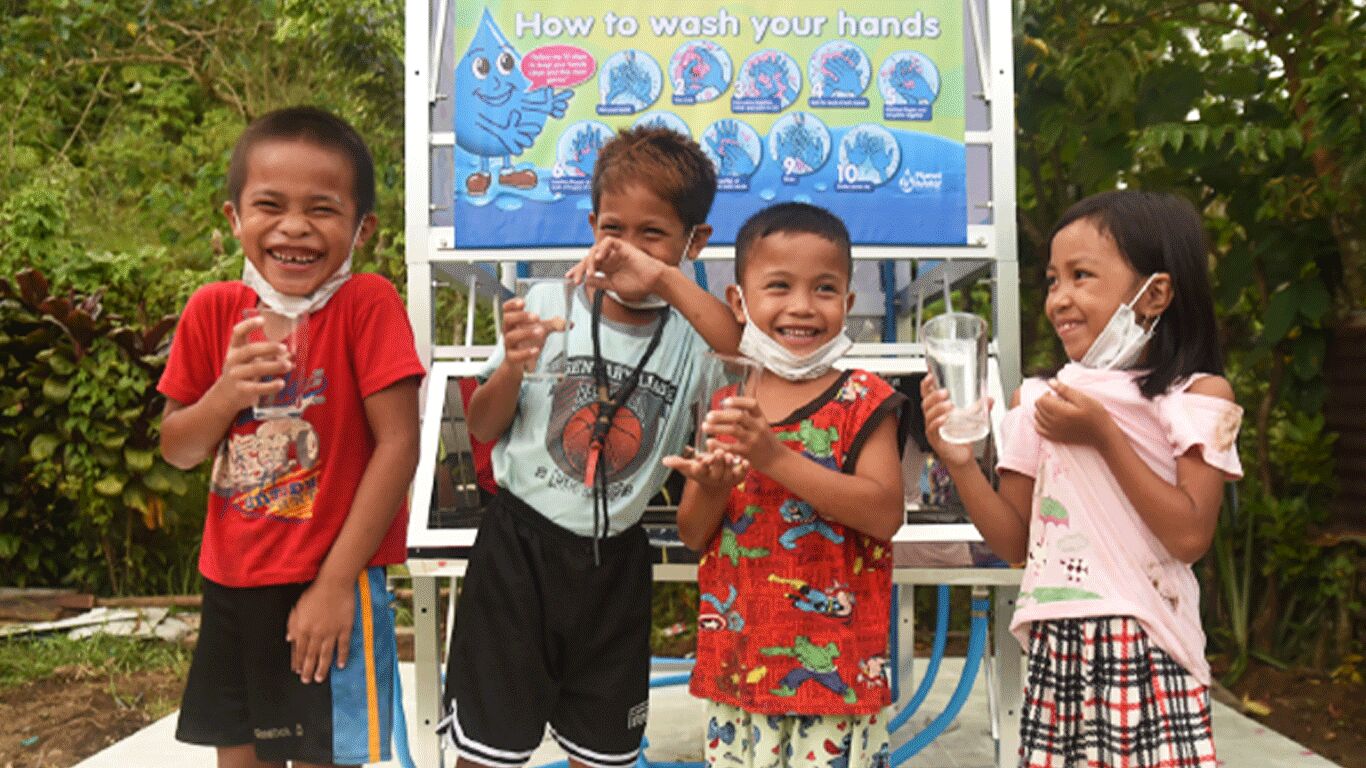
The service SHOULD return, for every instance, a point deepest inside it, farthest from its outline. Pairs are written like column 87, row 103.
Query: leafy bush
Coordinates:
column 83, row 488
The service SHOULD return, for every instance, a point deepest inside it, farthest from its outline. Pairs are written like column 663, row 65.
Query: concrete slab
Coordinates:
column 676, row 731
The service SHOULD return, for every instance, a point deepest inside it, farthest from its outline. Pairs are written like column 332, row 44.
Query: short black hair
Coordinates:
column 1159, row 232
column 793, row 218
column 308, row 124
column 665, row 162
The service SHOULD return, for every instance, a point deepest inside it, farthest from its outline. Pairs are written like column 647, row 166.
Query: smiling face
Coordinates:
column 296, row 215
column 796, row 287
column 1088, row 279
column 649, row 222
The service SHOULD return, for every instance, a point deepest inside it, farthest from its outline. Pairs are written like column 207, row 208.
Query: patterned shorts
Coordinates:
column 1099, row 693
column 740, row 739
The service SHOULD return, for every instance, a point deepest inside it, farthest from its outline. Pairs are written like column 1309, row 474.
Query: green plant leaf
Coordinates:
column 1280, row 314
column 57, row 391
column 42, row 447
column 138, row 460
column 110, row 485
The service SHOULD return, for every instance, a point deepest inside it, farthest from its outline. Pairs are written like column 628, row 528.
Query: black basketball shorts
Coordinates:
column 544, row 636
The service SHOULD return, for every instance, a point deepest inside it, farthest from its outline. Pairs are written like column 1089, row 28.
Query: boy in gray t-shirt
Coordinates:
column 554, row 615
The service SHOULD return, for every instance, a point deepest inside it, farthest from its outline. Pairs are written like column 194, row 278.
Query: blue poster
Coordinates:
column 857, row 107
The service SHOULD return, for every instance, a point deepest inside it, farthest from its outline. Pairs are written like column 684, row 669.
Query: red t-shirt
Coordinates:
column 795, row 607
column 281, row 489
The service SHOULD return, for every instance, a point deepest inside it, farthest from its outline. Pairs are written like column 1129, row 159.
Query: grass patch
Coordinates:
column 25, row 659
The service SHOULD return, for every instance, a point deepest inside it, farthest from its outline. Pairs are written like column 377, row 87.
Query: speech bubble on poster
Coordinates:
column 558, row 66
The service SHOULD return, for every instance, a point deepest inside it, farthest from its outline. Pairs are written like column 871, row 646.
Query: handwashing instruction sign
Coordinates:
column 857, row 107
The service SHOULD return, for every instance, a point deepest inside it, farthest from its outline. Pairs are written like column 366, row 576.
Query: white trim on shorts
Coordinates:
column 455, row 738
column 594, row 759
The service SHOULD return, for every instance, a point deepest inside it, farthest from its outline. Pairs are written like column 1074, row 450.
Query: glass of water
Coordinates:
column 956, row 348
column 726, row 376
column 550, row 298
column 292, row 332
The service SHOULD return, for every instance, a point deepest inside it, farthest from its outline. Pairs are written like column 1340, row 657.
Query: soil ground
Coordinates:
column 58, row 720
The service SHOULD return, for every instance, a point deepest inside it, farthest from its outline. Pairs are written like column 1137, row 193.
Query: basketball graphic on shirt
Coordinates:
column 619, row 447
column 574, row 410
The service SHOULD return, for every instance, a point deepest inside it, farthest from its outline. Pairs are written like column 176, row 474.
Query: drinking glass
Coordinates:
column 738, row 375
column 292, row 332
column 956, row 348
column 552, row 298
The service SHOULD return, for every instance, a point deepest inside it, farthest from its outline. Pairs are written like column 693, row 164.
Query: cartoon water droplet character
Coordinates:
column 500, row 114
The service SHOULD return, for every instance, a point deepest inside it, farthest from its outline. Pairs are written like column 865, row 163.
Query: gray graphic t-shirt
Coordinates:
column 543, row 455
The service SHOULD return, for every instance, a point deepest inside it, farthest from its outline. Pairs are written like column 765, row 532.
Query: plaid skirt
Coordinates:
column 1099, row 694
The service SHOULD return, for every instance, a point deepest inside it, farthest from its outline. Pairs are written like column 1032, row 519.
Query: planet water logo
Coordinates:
column 921, row 181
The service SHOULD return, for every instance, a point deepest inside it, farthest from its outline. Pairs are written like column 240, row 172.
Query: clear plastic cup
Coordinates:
column 292, row 332
column 552, row 298
column 737, row 376
column 956, row 349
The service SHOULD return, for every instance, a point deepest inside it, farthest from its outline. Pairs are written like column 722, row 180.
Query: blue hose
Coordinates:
column 977, row 643
column 941, row 637
column 667, row 680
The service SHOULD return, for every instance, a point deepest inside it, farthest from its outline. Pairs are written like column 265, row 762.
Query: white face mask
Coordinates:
column 652, row 301
column 765, row 350
column 293, row 306
column 1122, row 340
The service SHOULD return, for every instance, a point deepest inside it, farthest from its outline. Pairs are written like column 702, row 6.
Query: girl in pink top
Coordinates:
column 1112, row 474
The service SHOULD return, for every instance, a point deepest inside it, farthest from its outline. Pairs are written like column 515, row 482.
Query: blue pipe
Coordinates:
column 667, row 680
column 977, row 643
column 941, row 637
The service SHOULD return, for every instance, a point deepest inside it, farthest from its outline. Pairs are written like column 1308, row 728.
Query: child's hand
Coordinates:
column 717, row 470
column 319, row 626
column 616, row 264
column 936, row 406
column 249, row 362
column 745, row 431
column 524, row 333
column 1068, row 416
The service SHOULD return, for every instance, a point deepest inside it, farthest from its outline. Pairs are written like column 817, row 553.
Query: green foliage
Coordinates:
column 1253, row 110
column 85, row 487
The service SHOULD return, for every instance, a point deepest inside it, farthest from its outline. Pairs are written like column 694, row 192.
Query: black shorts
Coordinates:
column 241, row 690
column 542, row 636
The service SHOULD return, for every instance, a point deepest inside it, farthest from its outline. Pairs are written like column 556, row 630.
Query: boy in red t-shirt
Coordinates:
column 295, row 658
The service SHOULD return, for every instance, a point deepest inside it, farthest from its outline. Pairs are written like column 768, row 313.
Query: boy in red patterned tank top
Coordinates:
column 793, row 508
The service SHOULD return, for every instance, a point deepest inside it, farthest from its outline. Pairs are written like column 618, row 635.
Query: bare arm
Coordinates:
column 320, row 623
column 633, row 273
column 190, row 433
column 1002, row 517
column 709, row 315
column 870, row 501
column 1181, row 516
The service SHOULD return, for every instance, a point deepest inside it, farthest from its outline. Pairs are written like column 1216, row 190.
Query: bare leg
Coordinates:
column 242, row 756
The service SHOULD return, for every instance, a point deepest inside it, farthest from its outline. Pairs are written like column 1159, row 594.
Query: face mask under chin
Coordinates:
column 772, row 355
